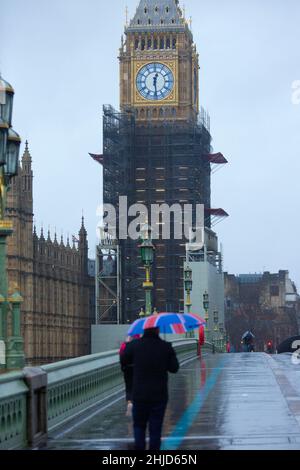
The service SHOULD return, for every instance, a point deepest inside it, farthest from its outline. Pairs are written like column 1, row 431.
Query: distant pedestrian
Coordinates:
column 248, row 341
column 201, row 340
column 152, row 359
column 128, row 373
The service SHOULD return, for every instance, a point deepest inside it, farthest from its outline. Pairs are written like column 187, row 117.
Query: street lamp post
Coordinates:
column 188, row 284
column 9, row 162
column 147, row 254
column 222, row 338
column 216, row 329
column 206, row 308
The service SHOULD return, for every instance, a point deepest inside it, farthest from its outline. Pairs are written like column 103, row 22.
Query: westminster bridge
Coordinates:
column 218, row 401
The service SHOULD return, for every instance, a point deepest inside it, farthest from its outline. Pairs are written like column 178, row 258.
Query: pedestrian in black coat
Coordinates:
column 152, row 359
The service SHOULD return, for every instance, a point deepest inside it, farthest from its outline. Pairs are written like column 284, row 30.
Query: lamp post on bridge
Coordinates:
column 147, row 254
column 188, row 285
column 216, row 328
column 222, row 338
column 10, row 303
column 206, row 308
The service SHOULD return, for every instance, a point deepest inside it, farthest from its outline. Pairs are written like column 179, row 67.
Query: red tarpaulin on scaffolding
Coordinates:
column 97, row 158
column 216, row 158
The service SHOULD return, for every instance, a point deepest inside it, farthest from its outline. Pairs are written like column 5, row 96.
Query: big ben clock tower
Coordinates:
column 156, row 150
column 159, row 63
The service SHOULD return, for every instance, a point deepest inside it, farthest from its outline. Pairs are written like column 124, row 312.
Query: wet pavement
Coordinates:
column 232, row 401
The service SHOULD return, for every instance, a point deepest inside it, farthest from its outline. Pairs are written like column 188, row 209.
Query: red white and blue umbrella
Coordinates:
column 168, row 323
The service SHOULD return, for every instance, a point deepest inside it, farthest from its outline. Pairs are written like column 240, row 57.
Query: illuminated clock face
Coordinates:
column 155, row 81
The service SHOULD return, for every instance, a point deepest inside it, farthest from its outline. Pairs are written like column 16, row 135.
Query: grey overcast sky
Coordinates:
column 61, row 58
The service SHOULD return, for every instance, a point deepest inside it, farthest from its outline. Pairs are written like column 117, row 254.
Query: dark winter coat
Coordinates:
column 152, row 359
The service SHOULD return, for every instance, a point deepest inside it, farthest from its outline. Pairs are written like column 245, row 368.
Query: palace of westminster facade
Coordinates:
column 53, row 278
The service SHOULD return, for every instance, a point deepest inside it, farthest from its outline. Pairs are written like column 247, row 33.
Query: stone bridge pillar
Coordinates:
column 37, row 425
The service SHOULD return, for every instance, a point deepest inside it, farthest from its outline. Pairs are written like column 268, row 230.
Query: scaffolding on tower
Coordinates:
column 155, row 163
column 108, row 281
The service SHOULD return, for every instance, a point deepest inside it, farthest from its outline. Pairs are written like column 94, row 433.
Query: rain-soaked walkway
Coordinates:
column 233, row 401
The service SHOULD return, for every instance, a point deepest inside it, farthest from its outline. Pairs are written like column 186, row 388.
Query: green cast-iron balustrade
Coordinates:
column 13, row 411
column 73, row 386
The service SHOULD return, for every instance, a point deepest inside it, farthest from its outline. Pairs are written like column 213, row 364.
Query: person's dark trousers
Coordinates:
column 144, row 413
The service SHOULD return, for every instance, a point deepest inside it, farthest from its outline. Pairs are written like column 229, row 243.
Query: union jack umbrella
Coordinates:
column 168, row 323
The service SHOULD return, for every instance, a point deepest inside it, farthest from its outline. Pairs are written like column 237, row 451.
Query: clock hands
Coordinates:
column 155, row 82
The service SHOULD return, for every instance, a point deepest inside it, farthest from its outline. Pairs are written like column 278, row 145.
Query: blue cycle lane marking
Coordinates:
column 173, row 441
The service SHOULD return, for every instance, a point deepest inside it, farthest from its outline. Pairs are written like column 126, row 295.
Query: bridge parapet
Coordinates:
column 210, row 347
column 13, row 411
column 72, row 387
column 77, row 384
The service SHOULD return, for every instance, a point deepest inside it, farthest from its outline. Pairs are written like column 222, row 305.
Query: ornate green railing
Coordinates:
column 77, row 384
column 72, row 387
column 13, row 411
column 213, row 348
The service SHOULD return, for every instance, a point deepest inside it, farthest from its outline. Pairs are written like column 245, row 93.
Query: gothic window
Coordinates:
column 149, row 21
column 168, row 43
column 174, row 43
column 174, row 112
column 142, row 114
column 143, row 44
column 167, row 9
column 162, row 44
column 136, row 44
column 161, row 112
column 149, row 43
column 173, row 21
column 161, row 21
column 155, row 43
column 138, row 22
column 145, row 10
